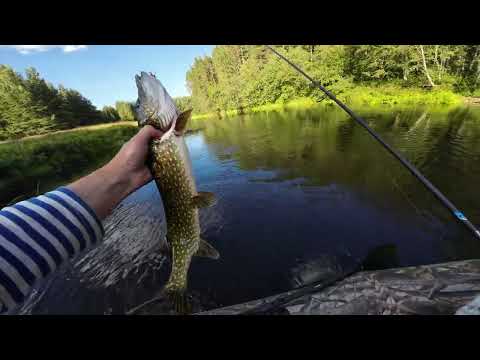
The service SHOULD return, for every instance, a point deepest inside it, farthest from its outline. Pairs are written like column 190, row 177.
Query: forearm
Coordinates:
column 38, row 235
column 105, row 188
column 102, row 190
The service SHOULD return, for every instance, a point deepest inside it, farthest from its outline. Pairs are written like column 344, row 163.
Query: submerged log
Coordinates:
column 438, row 289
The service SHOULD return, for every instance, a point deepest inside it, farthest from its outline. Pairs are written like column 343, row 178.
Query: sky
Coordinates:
column 106, row 73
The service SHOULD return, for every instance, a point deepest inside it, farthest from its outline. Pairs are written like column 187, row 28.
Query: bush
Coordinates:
column 110, row 114
column 30, row 106
column 125, row 110
column 65, row 156
column 183, row 103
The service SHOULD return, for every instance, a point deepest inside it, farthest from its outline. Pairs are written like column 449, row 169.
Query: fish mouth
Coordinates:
column 139, row 80
column 144, row 101
column 154, row 105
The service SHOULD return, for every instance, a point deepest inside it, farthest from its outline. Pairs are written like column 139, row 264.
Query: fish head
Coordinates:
column 154, row 105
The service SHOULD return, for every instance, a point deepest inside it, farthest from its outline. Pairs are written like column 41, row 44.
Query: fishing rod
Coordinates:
column 443, row 199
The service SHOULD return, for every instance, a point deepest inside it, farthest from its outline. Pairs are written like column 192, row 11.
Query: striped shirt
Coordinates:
column 37, row 236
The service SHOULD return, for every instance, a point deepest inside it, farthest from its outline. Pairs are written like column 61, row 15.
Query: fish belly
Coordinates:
column 173, row 176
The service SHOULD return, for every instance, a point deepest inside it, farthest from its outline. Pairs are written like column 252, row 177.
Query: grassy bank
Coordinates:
column 397, row 96
column 82, row 128
column 38, row 164
column 360, row 96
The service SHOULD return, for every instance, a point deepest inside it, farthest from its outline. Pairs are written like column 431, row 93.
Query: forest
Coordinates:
column 29, row 105
column 237, row 76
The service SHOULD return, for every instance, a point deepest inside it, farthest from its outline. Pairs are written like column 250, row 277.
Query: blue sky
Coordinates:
column 105, row 73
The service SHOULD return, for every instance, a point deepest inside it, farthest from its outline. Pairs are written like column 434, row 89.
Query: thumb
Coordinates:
column 147, row 133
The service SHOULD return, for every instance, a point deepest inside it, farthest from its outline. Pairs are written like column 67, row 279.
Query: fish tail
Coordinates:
column 176, row 293
column 172, row 298
column 179, row 299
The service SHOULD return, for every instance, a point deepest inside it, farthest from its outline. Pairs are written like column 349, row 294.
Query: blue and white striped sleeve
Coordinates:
column 39, row 234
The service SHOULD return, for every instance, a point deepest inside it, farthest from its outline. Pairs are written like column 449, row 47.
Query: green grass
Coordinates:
column 362, row 96
column 299, row 103
column 38, row 164
column 396, row 96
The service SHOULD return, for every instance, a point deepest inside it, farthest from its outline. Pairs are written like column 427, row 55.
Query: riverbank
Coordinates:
column 29, row 165
column 358, row 96
column 355, row 96
column 82, row 128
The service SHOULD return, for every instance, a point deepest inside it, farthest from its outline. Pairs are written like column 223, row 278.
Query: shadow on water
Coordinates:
column 294, row 187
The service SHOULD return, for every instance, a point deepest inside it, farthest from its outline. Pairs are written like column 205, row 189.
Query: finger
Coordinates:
column 148, row 132
column 146, row 177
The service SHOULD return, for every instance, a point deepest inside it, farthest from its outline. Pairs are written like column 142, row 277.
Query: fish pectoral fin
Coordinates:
column 181, row 124
column 204, row 199
column 206, row 250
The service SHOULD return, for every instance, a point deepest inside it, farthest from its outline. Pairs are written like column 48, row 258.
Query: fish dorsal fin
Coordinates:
column 204, row 199
column 206, row 250
column 182, row 120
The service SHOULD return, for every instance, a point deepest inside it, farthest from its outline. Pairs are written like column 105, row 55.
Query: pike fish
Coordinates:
column 171, row 167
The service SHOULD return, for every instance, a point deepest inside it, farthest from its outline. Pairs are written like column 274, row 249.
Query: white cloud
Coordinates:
column 27, row 49
column 72, row 48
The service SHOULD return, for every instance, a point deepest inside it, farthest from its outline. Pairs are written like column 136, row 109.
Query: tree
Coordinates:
column 30, row 105
column 183, row 103
column 202, row 83
column 227, row 62
column 425, row 69
column 125, row 110
column 41, row 91
column 110, row 114
column 470, row 75
column 20, row 115
column 235, row 76
column 82, row 111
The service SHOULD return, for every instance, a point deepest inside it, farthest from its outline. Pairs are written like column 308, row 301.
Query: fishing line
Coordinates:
column 442, row 198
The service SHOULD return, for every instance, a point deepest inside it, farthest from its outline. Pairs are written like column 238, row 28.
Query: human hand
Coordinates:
column 106, row 187
column 128, row 167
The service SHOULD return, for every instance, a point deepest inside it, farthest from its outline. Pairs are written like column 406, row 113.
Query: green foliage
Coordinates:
column 381, row 62
column 125, row 110
column 27, row 164
column 110, row 114
column 183, row 103
column 470, row 73
column 395, row 95
column 29, row 105
column 202, row 83
column 238, row 76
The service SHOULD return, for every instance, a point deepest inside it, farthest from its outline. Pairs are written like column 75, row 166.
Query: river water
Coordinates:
column 291, row 187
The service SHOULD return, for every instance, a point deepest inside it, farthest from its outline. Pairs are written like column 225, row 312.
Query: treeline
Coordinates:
column 240, row 75
column 29, row 105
